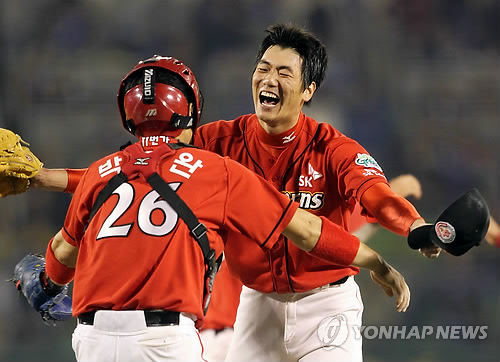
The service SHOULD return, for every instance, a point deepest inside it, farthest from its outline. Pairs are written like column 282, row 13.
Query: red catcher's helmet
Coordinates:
column 156, row 91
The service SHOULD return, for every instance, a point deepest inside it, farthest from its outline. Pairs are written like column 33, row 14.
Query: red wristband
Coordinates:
column 498, row 240
column 74, row 177
column 335, row 245
column 57, row 272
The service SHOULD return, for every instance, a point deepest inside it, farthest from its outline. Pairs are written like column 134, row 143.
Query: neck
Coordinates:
column 273, row 128
column 185, row 136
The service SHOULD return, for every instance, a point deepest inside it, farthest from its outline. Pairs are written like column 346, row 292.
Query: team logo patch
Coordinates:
column 365, row 160
column 445, row 232
column 315, row 174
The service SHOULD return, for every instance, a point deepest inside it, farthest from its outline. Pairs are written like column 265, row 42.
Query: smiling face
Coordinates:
column 277, row 88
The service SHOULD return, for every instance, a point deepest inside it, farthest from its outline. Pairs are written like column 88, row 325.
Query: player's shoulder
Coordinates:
column 330, row 137
column 220, row 129
column 108, row 164
column 200, row 153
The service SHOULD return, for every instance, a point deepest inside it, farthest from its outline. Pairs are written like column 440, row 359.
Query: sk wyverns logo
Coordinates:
column 151, row 112
column 289, row 138
column 445, row 232
column 313, row 175
column 142, row 161
column 365, row 160
column 307, row 200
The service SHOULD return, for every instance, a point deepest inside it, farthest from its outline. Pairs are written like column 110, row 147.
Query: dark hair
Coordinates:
column 310, row 49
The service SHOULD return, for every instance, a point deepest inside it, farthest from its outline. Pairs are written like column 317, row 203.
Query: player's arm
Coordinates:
column 394, row 212
column 402, row 185
column 328, row 241
column 61, row 260
column 58, row 179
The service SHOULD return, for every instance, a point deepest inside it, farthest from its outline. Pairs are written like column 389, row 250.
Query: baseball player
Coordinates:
column 140, row 273
column 217, row 330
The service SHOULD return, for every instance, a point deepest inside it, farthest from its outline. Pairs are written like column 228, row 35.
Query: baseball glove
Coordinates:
column 460, row 227
column 52, row 305
column 17, row 164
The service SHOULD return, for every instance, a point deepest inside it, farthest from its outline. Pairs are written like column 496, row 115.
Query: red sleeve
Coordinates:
column 78, row 212
column 393, row 212
column 356, row 169
column 254, row 207
column 74, row 177
column 199, row 138
column 357, row 220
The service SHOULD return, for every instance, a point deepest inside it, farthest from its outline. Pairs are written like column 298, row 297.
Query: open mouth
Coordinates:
column 268, row 99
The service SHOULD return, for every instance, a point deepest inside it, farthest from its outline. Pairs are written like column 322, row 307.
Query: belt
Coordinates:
column 340, row 281
column 154, row 318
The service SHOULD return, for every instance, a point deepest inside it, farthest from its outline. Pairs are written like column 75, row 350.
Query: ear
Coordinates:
column 309, row 92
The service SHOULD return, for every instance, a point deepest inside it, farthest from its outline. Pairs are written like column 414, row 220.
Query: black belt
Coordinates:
column 154, row 318
column 340, row 281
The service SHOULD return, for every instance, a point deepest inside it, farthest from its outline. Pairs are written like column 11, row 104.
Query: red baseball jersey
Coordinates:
column 227, row 288
column 137, row 254
column 313, row 164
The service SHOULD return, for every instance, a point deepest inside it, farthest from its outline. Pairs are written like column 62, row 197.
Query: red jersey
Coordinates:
column 314, row 165
column 137, row 254
column 227, row 288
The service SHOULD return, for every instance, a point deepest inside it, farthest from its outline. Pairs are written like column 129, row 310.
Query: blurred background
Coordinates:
column 416, row 82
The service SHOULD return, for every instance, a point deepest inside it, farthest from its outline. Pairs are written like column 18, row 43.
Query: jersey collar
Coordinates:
column 281, row 139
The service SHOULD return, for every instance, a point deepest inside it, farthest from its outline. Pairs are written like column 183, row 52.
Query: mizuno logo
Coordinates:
column 289, row 138
column 315, row 174
column 142, row 161
column 148, row 75
column 151, row 112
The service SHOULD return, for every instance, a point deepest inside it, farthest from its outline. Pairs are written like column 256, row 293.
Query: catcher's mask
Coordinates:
column 159, row 95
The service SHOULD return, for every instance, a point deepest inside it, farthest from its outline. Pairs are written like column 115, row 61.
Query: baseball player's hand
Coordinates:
column 53, row 305
column 391, row 281
column 430, row 251
column 406, row 185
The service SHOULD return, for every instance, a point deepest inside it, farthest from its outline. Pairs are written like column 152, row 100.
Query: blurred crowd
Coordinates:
column 414, row 81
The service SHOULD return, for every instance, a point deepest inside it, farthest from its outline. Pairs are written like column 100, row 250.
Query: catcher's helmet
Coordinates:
column 156, row 91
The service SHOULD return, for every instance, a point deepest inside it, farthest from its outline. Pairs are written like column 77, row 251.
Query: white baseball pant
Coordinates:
column 216, row 343
column 124, row 336
column 318, row 325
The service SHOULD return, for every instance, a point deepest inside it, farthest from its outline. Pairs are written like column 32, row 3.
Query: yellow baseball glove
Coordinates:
column 17, row 164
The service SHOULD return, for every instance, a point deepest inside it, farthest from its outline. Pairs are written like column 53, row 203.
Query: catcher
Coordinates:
column 18, row 165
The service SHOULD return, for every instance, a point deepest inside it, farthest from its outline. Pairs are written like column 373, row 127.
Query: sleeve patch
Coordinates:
column 367, row 161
